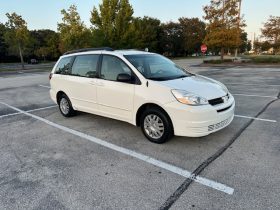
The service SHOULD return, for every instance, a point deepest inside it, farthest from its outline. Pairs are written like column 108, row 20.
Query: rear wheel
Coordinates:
column 156, row 125
column 65, row 106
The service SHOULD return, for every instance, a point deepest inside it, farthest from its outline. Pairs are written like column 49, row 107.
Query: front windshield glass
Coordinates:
column 157, row 67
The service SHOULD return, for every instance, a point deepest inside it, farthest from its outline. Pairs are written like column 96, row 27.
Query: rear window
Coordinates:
column 85, row 66
column 63, row 66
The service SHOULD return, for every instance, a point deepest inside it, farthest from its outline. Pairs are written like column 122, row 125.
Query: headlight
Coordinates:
column 188, row 98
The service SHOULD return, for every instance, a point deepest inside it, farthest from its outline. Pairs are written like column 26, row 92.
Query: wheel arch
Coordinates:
column 142, row 108
column 59, row 94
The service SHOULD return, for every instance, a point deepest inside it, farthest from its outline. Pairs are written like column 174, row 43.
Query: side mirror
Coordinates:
column 123, row 77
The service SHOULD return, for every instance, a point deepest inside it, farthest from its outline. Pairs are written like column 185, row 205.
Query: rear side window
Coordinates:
column 85, row 66
column 63, row 66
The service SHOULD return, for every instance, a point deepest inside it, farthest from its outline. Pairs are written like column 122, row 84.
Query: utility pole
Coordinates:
column 238, row 27
column 223, row 19
column 254, row 40
column 21, row 56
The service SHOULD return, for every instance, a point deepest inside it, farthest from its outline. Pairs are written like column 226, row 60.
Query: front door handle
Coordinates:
column 96, row 82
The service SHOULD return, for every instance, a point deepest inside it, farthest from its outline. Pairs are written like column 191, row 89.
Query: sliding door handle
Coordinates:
column 100, row 83
column 92, row 82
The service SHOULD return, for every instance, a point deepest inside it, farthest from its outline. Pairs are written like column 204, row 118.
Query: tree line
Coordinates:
column 113, row 25
column 271, row 33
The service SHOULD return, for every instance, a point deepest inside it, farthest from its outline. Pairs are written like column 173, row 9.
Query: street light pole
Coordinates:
column 238, row 27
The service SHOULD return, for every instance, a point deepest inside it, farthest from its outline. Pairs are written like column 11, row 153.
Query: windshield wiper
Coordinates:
column 158, row 78
column 167, row 78
column 181, row 76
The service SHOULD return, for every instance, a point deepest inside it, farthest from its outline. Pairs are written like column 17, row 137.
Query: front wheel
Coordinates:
column 65, row 106
column 156, row 126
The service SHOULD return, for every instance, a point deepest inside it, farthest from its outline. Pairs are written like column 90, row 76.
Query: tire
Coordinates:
column 65, row 106
column 156, row 125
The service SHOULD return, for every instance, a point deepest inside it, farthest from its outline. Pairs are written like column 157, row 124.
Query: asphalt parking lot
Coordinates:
column 91, row 162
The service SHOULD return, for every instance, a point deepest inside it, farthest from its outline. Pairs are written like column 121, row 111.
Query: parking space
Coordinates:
column 250, row 165
column 43, row 167
column 89, row 161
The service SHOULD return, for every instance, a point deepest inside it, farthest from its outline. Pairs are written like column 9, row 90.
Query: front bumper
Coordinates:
column 197, row 121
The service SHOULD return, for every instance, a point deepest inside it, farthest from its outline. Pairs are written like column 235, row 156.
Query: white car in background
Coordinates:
column 141, row 88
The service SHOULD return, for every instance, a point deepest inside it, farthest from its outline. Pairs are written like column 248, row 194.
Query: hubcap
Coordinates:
column 64, row 106
column 153, row 126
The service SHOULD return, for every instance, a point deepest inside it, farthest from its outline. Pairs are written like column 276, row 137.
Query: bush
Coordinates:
column 218, row 61
column 266, row 59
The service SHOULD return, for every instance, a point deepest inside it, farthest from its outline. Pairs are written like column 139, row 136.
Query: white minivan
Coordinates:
column 141, row 88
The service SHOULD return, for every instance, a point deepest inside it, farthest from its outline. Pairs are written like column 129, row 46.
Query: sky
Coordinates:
column 45, row 14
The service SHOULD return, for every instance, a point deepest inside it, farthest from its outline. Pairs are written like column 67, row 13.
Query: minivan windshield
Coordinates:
column 156, row 67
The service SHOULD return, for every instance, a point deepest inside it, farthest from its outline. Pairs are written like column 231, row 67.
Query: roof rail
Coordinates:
column 88, row 49
column 131, row 49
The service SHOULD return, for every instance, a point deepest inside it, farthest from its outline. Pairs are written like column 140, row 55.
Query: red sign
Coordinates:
column 203, row 48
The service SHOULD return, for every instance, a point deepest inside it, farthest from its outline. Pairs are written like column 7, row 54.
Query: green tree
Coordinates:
column 249, row 45
column 73, row 32
column 224, row 24
column 271, row 31
column 46, row 44
column 257, row 46
column 3, row 45
column 266, row 45
column 111, row 23
column 17, row 35
column 245, row 43
column 193, row 31
column 171, row 39
column 261, row 46
column 144, row 33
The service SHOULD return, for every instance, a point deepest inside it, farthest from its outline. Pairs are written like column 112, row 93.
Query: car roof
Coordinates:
column 106, row 51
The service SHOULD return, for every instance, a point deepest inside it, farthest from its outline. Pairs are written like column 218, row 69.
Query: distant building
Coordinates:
column 271, row 51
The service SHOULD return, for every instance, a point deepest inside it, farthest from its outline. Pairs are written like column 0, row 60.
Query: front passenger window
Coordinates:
column 85, row 66
column 112, row 67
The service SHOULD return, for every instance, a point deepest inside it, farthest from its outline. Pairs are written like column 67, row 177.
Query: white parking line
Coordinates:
column 7, row 115
column 32, row 110
column 254, row 118
column 145, row 158
column 238, row 94
column 257, row 84
column 44, row 86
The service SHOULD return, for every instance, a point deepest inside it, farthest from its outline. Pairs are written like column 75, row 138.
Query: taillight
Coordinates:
column 50, row 76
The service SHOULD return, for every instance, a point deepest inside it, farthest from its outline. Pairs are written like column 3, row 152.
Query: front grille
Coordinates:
column 216, row 101
column 219, row 125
